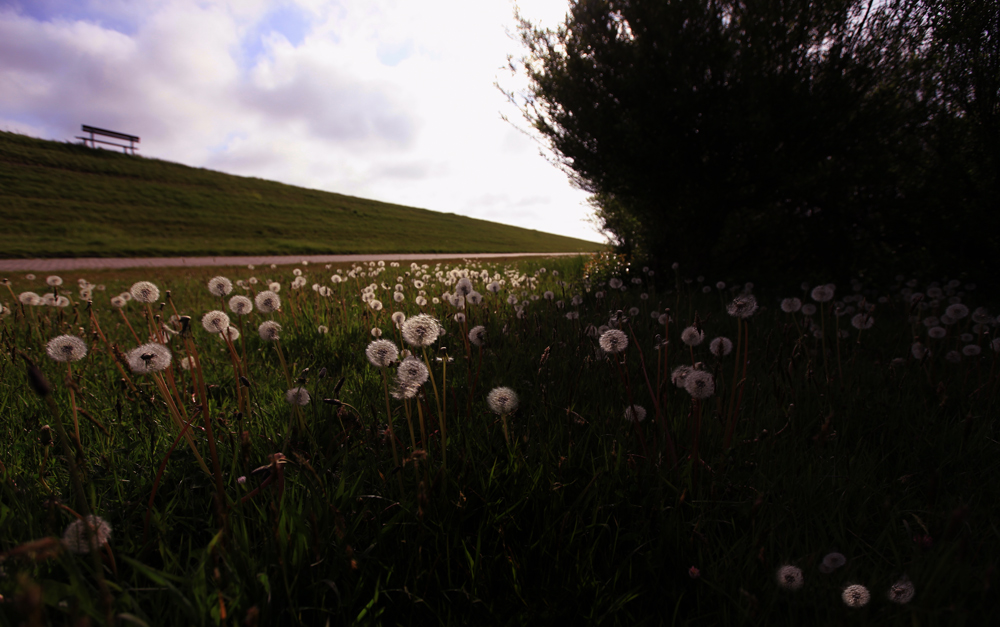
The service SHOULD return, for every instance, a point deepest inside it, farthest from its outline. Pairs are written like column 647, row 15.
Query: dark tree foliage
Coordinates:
column 761, row 136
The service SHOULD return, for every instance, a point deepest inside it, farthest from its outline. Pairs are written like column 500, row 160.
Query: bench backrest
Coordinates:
column 101, row 131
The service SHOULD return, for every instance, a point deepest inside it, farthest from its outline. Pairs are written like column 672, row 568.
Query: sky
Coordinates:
column 393, row 100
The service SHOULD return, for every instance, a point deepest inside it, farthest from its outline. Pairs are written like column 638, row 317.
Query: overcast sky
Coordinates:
column 386, row 99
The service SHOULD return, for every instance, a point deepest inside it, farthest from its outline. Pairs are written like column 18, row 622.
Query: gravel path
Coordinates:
column 99, row 263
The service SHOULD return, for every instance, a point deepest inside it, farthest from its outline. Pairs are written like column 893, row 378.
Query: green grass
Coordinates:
column 66, row 200
column 848, row 445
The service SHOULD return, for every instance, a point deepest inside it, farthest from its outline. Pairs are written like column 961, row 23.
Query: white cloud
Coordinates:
column 387, row 99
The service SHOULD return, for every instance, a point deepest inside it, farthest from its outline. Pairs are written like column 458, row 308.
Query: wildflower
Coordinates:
column 269, row 331
column 822, row 293
column 187, row 362
column 720, row 346
column 862, row 321
column 549, row 295
column 502, row 401
column 274, row 286
column 692, row 336
column 232, row 333
column 635, row 413
column 493, row 287
column 613, row 341
column 215, row 321
column 615, row 283
column 931, row 321
column 680, row 373
column 240, row 305
column 145, row 292
column 699, row 384
column 29, row 277
column 743, row 306
column 297, row 396
column 267, row 301
column 477, row 335
column 791, row 305
column 663, row 319
column 957, row 311
column 220, row 286
column 901, row 592
column 971, row 350
column 29, row 298
column 398, row 297
column 126, row 295
column 420, row 330
column 54, row 280
column 572, row 315
column 953, row 357
column 790, row 577
column 398, row 318
column 322, row 329
column 831, row 562
column 375, row 304
column 856, row 596
column 376, row 332
column 474, row 298
column 66, row 348
column 995, row 345
column 919, row 351
column 463, row 287
column 78, row 539
column 808, row 309
column 61, row 301
column 148, row 358
column 381, row 353
column 412, row 373
column 936, row 332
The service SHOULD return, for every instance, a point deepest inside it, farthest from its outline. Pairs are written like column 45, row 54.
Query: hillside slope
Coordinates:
column 66, row 200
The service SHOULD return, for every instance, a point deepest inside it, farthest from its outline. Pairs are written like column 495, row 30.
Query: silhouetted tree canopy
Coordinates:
column 757, row 136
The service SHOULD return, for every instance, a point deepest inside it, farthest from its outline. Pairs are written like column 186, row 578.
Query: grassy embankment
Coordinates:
column 65, row 200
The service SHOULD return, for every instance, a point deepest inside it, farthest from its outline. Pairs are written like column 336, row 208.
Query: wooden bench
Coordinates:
column 131, row 139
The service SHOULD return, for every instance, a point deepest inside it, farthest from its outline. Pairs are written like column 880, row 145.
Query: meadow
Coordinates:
column 66, row 200
column 495, row 443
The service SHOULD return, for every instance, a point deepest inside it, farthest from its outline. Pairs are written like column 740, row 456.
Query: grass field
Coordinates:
column 66, row 200
column 826, row 450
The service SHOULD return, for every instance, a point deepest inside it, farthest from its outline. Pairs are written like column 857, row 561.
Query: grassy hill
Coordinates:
column 66, row 200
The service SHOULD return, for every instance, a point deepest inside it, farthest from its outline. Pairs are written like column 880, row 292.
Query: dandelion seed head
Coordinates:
column 267, row 301
column 412, row 373
column 381, row 353
column 220, row 286
column 477, row 335
column 118, row 302
column 376, row 332
column 297, row 396
column 856, row 596
column 66, row 348
column 822, row 293
column 635, row 413
column 240, row 305
column 148, row 358
column 901, row 592
column 720, row 346
column 679, row 375
column 743, row 306
column 862, row 321
column 613, row 341
column 145, row 292
column 215, row 321
column 230, row 333
column 54, row 280
column 790, row 577
column 791, row 305
column 269, row 331
column 78, row 539
column 420, row 330
column 502, row 400
column 692, row 336
column 699, row 384
column 957, row 311
column 971, row 350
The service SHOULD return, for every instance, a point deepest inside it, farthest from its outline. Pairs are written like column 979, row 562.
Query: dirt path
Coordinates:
column 99, row 263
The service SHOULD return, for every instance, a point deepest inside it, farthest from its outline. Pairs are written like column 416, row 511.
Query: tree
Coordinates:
column 750, row 134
